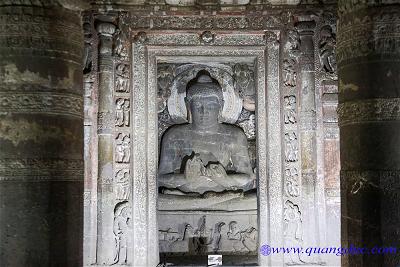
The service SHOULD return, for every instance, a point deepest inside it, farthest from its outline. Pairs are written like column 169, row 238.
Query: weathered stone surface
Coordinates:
column 41, row 136
column 368, row 59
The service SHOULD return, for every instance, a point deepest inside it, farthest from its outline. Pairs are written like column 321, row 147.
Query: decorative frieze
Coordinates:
column 32, row 169
column 369, row 110
column 368, row 35
column 231, row 22
column 42, row 102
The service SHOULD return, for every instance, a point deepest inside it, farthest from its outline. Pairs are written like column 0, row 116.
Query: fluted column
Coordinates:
column 41, row 139
column 369, row 119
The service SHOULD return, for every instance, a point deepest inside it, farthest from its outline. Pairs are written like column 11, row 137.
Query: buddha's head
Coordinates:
column 204, row 100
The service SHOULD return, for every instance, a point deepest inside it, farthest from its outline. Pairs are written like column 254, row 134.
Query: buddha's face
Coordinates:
column 204, row 110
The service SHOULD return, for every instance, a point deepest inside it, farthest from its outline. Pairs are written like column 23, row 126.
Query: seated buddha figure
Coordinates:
column 205, row 155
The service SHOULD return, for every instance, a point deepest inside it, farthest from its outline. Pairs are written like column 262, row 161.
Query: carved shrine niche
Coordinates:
column 160, row 174
column 207, row 168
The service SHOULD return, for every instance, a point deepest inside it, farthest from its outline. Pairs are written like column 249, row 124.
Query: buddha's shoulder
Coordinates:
column 176, row 131
column 233, row 130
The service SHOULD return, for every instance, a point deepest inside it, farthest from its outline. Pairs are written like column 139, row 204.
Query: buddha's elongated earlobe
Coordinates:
column 220, row 118
column 189, row 113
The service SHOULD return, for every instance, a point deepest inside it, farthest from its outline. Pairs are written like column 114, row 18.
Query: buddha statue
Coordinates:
column 205, row 154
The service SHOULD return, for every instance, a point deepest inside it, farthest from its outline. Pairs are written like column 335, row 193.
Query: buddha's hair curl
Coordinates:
column 204, row 87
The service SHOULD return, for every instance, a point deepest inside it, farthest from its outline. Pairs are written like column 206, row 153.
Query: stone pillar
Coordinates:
column 308, row 134
column 41, row 135
column 105, row 124
column 369, row 119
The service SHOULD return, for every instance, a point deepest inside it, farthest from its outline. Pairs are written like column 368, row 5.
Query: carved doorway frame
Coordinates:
column 150, row 48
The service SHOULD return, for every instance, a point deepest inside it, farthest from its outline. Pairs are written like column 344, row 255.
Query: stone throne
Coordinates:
column 207, row 201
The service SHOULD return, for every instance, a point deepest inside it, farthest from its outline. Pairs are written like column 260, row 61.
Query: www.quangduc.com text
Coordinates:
column 267, row 250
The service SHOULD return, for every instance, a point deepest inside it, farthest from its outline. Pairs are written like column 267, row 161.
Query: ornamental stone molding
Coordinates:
column 37, row 170
column 49, row 103
column 367, row 35
column 370, row 110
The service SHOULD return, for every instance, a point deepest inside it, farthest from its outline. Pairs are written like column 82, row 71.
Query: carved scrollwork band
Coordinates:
column 37, row 170
column 52, row 103
column 368, row 35
column 370, row 110
column 206, row 22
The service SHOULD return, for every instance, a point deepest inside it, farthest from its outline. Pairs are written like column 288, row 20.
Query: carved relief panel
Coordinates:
column 251, row 84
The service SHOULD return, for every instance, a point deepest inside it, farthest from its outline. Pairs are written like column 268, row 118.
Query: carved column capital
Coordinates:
column 306, row 27
column 106, row 29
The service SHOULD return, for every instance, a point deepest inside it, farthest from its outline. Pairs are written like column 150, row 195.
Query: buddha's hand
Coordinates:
column 216, row 170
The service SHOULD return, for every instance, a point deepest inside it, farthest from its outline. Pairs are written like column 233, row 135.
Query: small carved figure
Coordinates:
column 122, row 218
column 293, row 230
column 290, row 109
column 327, row 50
column 291, row 151
column 292, row 182
column 293, row 222
column 170, row 240
column 120, row 48
column 123, row 148
column 244, row 85
column 122, row 78
column 242, row 240
column 88, row 49
column 122, row 112
column 293, row 43
column 122, row 188
column 216, row 236
column 289, row 73
column 165, row 75
column 200, row 240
